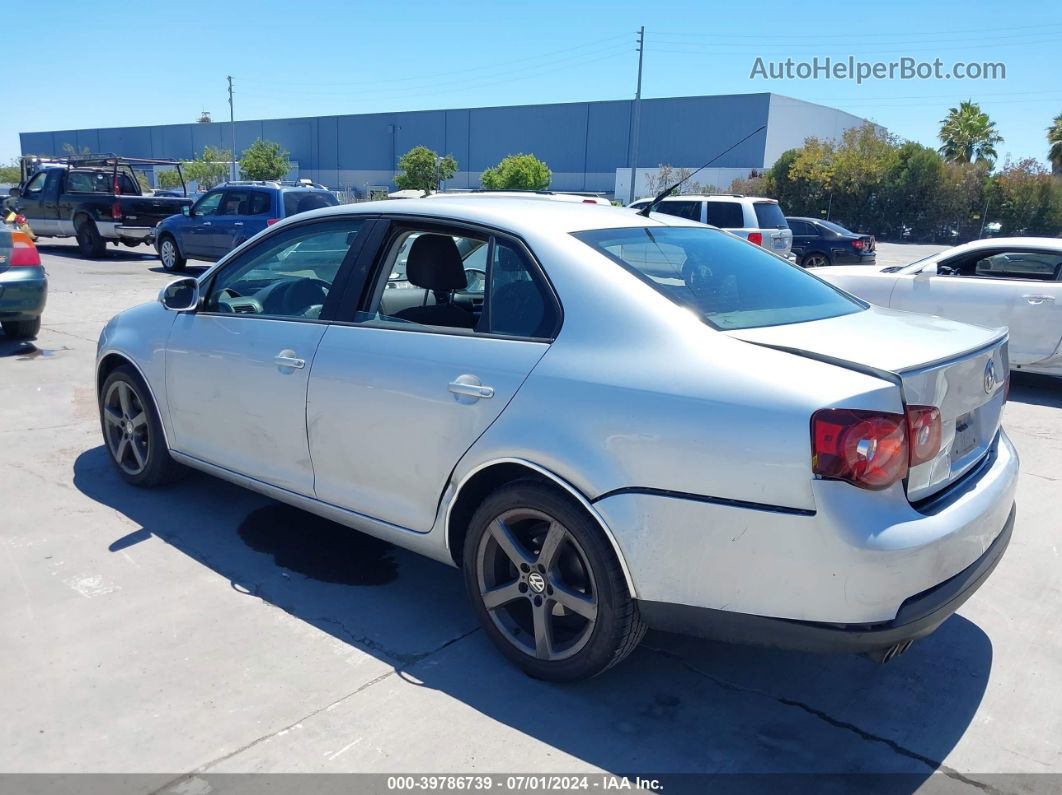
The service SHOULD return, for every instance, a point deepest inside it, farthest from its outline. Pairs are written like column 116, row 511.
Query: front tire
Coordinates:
column 22, row 329
column 133, row 432
column 547, row 586
column 170, row 255
column 89, row 241
column 815, row 260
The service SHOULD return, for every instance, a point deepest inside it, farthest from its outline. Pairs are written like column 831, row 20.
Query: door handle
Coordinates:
column 288, row 358
column 1039, row 299
column 207, row 223
column 237, row 223
column 472, row 390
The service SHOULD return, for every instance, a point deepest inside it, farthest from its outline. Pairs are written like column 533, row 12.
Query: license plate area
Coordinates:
column 965, row 436
column 779, row 242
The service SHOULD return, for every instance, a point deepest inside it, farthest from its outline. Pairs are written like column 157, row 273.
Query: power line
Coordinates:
column 862, row 37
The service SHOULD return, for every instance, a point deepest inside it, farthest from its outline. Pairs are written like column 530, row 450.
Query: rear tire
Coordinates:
column 546, row 584
column 133, row 432
column 815, row 260
column 170, row 255
column 22, row 329
column 89, row 241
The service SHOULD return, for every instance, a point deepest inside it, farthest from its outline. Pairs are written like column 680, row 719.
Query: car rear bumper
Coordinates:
column 857, row 558
column 852, row 258
column 23, row 293
column 917, row 617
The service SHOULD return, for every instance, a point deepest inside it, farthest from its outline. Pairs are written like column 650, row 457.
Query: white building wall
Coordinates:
column 791, row 121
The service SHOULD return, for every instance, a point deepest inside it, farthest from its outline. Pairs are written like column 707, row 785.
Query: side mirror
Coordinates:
column 181, row 295
column 16, row 191
column 186, row 210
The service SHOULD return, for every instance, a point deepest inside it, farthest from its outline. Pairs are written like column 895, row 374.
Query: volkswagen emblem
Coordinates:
column 536, row 581
column 990, row 377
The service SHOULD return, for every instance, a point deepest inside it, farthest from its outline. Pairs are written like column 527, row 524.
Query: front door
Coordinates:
column 1009, row 287
column 199, row 235
column 236, row 370
column 401, row 392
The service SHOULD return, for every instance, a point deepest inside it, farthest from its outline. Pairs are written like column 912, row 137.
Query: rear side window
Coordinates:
column 726, row 215
column 299, row 201
column 683, row 209
column 261, row 203
column 769, row 216
column 726, row 281
column 1041, row 266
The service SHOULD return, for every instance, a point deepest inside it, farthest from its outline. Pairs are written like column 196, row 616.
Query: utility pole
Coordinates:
column 232, row 128
column 636, row 116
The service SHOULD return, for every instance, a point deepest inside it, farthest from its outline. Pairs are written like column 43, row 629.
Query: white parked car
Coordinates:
column 1014, row 282
column 758, row 220
column 624, row 422
column 548, row 195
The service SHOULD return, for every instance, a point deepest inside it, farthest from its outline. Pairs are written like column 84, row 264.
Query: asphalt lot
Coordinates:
column 204, row 628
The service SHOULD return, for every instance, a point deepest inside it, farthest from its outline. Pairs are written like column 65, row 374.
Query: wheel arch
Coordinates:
column 488, row 476
column 110, row 362
column 172, row 236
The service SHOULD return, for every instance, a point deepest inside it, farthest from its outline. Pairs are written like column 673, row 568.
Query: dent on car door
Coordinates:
column 236, row 370
column 397, row 396
column 1015, row 288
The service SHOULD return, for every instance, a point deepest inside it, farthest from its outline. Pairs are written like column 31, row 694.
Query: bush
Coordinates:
column 517, row 172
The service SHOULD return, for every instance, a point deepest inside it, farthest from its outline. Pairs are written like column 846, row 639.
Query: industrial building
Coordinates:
column 586, row 144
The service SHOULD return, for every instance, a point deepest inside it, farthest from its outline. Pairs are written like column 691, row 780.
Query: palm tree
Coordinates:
column 968, row 135
column 1054, row 138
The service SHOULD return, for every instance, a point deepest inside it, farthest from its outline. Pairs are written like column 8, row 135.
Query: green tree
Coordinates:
column 1026, row 200
column 143, row 180
column 968, row 135
column 264, row 160
column 1054, row 141
column 423, row 169
column 209, row 169
column 11, row 173
column 517, row 172
column 169, row 178
column 909, row 185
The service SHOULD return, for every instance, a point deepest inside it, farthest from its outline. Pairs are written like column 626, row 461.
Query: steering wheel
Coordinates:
column 294, row 297
column 228, row 292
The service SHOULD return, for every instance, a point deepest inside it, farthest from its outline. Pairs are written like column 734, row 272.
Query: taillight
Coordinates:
column 589, row 201
column 116, row 211
column 756, row 237
column 924, row 431
column 271, row 221
column 865, row 448
column 857, row 244
column 23, row 252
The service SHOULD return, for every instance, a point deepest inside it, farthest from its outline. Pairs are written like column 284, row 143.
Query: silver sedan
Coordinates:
column 608, row 421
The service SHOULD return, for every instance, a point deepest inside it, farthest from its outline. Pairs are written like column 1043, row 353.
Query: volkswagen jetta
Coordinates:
column 608, row 421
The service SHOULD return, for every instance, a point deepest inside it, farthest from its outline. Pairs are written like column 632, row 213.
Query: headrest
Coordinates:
column 434, row 263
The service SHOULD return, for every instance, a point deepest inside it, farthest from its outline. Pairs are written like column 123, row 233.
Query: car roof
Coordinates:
column 1052, row 243
column 523, row 216
column 699, row 196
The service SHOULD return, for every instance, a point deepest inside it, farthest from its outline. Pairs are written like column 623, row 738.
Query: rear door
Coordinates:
column 1013, row 287
column 199, row 240
column 229, row 221
column 805, row 236
column 393, row 404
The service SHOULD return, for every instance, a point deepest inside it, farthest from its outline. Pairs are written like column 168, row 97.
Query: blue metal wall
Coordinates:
column 583, row 142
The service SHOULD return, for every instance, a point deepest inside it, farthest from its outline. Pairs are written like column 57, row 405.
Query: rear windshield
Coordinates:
column 730, row 283
column 769, row 216
column 836, row 228
column 300, row 201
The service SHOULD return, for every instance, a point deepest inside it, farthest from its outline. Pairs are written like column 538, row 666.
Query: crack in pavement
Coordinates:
column 361, row 688
column 933, row 764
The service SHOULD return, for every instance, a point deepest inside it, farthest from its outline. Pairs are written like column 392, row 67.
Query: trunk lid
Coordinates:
column 959, row 368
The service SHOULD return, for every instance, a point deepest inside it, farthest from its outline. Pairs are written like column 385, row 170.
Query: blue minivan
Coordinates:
column 228, row 215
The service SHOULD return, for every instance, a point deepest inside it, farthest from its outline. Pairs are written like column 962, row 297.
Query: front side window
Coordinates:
column 726, row 215
column 208, row 205
column 36, row 184
column 726, row 281
column 287, row 275
column 682, row 209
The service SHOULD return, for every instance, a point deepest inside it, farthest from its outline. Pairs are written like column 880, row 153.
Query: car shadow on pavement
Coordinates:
column 1039, row 390
column 111, row 253
column 676, row 705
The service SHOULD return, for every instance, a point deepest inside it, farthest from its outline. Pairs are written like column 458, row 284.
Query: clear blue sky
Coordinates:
column 109, row 63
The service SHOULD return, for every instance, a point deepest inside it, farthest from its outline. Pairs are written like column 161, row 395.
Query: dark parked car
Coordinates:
column 94, row 198
column 817, row 243
column 230, row 214
column 23, row 285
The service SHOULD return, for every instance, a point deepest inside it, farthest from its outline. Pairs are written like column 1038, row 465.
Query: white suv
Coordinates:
column 759, row 220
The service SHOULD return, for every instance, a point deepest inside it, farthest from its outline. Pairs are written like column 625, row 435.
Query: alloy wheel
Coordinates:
column 168, row 254
column 816, row 261
column 126, row 427
column 536, row 584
